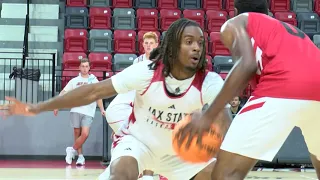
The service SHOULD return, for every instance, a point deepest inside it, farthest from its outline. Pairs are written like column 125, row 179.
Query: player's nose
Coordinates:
column 196, row 47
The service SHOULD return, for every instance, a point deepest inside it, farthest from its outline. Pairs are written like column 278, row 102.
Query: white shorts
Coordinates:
column 263, row 124
column 119, row 110
column 169, row 166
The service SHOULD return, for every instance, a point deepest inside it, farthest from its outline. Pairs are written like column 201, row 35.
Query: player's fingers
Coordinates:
column 189, row 140
column 11, row 99
column 182, row 135
column 4, row 107
column 199, row 138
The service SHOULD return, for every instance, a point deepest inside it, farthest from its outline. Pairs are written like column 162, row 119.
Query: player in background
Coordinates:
column 174, row 85
column 287, row 94
column 120, row 108
column 150, row 41
column 81, row 117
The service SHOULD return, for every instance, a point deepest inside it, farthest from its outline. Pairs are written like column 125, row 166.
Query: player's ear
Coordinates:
column 235, row 11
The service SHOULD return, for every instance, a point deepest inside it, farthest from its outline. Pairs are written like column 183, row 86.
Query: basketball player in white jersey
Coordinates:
column 173, row 85
column 119, row 110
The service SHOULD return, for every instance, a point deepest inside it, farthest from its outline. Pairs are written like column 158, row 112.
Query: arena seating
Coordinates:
column 116, row 27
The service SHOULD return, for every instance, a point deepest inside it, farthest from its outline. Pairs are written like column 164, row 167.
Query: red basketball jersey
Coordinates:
column 288, row 61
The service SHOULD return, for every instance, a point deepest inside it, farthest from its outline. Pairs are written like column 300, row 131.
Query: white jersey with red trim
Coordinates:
column 155, row 109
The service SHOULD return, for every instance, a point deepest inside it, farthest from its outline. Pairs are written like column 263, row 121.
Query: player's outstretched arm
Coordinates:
column 83, row 95
column 235, row 37
column 136, row 77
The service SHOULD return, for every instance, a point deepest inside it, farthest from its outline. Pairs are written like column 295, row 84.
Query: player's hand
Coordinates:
column 55, row 112
column 198, row 125
column 103, row 112
column 16, row 107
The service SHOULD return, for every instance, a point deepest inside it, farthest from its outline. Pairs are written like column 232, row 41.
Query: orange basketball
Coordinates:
column 195, row 154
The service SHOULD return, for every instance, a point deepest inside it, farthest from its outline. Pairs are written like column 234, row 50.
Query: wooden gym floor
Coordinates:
column 58, row 170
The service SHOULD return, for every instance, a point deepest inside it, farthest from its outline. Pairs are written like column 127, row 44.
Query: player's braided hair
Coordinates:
column 259, row 6
column 169, row 49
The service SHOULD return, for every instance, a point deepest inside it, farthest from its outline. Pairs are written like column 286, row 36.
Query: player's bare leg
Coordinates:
column 316, row 164
column 205, row 173
column 130, row 172
column 77, row 133
column 230, row 166
column 82, row 138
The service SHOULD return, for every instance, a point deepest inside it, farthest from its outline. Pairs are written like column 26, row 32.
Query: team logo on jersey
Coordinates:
column 163, row 119
column 81, row 83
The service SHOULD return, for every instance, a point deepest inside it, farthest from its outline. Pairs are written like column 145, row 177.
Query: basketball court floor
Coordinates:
column 58, row 170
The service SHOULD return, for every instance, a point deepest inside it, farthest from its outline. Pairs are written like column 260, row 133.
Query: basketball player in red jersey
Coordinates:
column 287, row 94
column 174, row 85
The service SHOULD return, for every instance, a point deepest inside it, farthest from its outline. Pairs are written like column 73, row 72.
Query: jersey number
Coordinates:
column 289, row 29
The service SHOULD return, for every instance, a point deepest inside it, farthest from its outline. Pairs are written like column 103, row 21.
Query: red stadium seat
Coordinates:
column 207, row 41
column 217, row 48
column 212, row 4
column 100, row 18
column 167, row 4
column 101, row 61
column 317, row 6
column 122, row 3
column 216, row 19
column 167, row 17
column 229, row 5
column 71, row 60
column 77, row 3
column 288, row 17
column 209, row 62
column 75, row 40
column 196, row 15
column 140, row 39
column 280, row 6
column 147, row 19
column 125, row 41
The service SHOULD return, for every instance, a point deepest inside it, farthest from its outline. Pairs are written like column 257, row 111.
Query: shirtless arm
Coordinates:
column 235, row 37
column 125, row 81
column 75, row 98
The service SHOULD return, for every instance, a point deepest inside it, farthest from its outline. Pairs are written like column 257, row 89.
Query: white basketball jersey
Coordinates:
column 156, row 112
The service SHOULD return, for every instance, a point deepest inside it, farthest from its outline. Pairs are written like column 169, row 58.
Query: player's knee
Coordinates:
column 85, row 132
column 77, row 131
column 130, row 172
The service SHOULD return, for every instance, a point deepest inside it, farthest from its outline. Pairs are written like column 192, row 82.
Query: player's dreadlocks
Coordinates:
column 169, row 49
column 259, row 6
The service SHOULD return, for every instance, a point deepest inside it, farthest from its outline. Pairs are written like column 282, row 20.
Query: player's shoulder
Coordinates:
column 142, row 65
column 139, row 70
column 240, row 19
column 245, row 18
column 212, row 78
column 75, row 79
